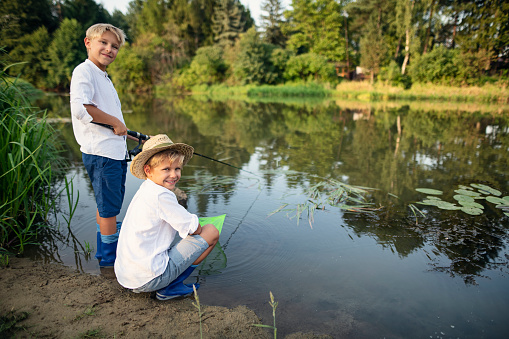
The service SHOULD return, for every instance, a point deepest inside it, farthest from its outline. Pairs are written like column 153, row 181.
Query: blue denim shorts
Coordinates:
column 182, row 255
column 108, row 180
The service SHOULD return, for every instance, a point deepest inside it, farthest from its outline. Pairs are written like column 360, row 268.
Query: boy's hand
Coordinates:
column 119, row 129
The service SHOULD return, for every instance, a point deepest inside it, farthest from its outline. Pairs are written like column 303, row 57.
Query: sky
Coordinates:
column 253, row 5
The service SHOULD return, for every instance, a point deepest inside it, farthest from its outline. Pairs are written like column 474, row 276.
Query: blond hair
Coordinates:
column 171, row 155
column 97, row 30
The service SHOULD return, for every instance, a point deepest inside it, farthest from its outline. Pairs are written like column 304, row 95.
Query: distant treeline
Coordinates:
column 181, row 44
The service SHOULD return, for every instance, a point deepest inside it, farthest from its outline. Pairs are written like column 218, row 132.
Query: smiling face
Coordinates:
column 103, row 50
column 166, row 173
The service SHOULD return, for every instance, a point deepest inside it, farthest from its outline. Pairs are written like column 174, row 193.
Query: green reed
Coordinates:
column 272, row 304
column 29, row 156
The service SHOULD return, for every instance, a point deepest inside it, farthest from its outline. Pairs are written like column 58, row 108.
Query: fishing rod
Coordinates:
column 142, row 137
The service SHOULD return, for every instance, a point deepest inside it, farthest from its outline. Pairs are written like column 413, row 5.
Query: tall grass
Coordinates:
column 29, row 154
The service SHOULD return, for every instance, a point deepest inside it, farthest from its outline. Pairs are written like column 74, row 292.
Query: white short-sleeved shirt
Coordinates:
column 91, row 86
column 150, row 225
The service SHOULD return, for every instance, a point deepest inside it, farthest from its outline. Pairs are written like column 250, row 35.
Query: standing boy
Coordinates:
column 146, row 260
column 94, row 99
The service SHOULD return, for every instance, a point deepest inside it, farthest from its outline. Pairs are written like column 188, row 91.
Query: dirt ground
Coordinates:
column 61, row 303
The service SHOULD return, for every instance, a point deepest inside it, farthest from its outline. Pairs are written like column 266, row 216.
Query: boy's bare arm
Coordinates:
column 104, row 118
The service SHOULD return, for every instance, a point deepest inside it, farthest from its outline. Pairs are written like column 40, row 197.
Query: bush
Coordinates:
column 310, row 67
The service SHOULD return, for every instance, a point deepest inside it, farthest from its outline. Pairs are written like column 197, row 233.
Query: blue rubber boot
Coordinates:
column 98, row 253
column 177, row 288
column 109, row 248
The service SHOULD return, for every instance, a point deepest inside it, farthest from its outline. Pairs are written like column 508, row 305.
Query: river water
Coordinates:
column 385, row 272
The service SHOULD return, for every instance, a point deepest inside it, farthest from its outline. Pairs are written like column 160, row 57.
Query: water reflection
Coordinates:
column 393, row 148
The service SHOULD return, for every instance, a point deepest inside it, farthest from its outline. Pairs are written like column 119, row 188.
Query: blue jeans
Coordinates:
column 182, row 255
column 108, row 180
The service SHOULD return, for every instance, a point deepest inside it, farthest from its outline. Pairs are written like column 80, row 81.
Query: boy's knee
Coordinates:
column 210, row 233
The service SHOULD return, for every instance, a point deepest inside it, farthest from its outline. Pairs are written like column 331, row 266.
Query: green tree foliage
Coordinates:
column 253, row 64
column 22, row 17
column 129, row 72
column 227, row 22
column 272, row 22
column 448, row 67
column 309, row 67
column 32, row 51
column 483, row 26
column 208, row 67
column 65, row 52
column 86, row 12
column 316, row 26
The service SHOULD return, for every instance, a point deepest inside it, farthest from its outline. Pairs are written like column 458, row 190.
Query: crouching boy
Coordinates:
column 146, row 261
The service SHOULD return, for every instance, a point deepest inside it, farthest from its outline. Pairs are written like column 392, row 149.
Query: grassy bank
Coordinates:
column 363, row 91
column 490, row 93
column 29, row 157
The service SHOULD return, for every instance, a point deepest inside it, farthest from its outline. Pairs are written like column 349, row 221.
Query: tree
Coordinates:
column 253, row 64
column 32, row 50
column 272, row 21
column 309, row 67
column 226, row 22
column 22, row 17
column 65, row 52
column 310, row 19
column 86, row 12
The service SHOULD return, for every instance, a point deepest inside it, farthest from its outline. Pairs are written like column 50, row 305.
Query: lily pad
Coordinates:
column 496, row 200
column 429, row 191
column 507, row 213
column 429, row 202
column 467, row 193
column 506, row 198
column 460, row 197
column 472, row 210
column 471, row 204
column 432, row 198
column 486, row 189
column 463, row 187
column 444, row 205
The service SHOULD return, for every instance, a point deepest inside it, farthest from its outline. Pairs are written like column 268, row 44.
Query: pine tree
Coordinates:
column 271, row 22
column 226, row 22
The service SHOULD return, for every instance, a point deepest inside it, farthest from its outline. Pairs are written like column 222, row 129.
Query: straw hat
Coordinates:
column 154, row 145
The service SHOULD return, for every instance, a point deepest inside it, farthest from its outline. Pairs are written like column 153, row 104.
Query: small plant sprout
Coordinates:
column 4, row 260
column 197, row 305
column 88, row 248
column 272, row 304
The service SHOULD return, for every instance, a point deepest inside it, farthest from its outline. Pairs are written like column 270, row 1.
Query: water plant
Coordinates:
column 465, row 198
column 31, row 158
column 196, row 304
column 329, row 193
column 69, row 188
column 272, row 304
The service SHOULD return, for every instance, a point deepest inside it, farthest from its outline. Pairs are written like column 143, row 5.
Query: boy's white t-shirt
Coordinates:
column 150, row 225
column 92, row 86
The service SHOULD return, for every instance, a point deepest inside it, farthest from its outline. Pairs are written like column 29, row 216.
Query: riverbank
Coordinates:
column 363, row 91
column 56, row 302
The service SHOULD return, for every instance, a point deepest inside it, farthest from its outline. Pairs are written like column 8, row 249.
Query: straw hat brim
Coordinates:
column 141, row 159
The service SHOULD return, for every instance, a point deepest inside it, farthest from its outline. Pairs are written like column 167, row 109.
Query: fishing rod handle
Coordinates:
column 138, row 135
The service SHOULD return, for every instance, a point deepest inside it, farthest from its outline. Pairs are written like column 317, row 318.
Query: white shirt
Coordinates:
column 91, row 86
column 150, row 225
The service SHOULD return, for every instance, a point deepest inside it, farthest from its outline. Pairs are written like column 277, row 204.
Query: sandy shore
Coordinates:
column 64, row 304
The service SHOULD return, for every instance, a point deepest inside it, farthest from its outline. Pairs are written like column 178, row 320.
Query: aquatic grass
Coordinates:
column 31, row 156
column 274, row 305
column 196, row 304
column 69, row 189
column 289, row 90
column 329, row 193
